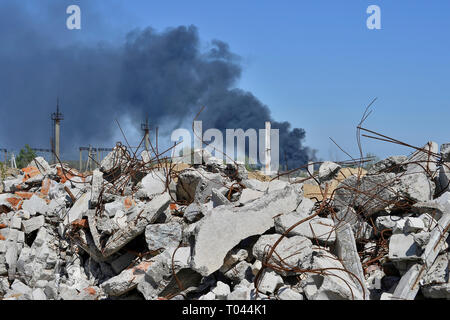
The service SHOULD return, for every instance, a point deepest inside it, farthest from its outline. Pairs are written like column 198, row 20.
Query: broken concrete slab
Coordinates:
column 147, row 213
column 218, row 198
column 127, row 280
column 33, row 224
column 270, row 282
column 404, row 248
column 221, row 290
column 159, row 280
column 359, row 192
column 248, row 195
column 415, row 183
column 96, row 187
column 347, row 251
column 438, row 272
column 35, row 205
column 225, row 227
column 409, row 283
column 295, row 252
column 153, row 183
column 395, row 223
column 334, row 284
column 328, row 170
column 163, row 236
column 194, row 212
column 242, row 270
column 286, row 293
column 197, row 185
column 413, row 225
column 321, row 229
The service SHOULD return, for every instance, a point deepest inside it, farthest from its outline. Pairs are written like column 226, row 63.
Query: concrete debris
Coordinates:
column 221, row 291
column 376, row 192
column 328, row 170
column 33, row 224
column 295, row 251
column 321, row 229
column 287, row 293
column 140, row 228
column 35, row 205
column 270, row 282
column 248, row 195
column 194, row 212
column 225, row 227
column 334, row 284
column 153, row 184
column 163, row 236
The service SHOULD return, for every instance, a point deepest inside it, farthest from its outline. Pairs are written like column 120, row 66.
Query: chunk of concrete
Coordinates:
column 197, row 185
column 194, row 212
column 79, row 209
column 232, row 258
column 147, row 213
column 35, row 205
column 221, row 290
column 305, row 207
column 114, row 161
column 97, row 185
column 38, row 294
column 295, row 252
column 225, row 227
column 321, row 229
column 370, row 193
column 33, row 224
column 328, row 170
column 416, row 183
column 286, row 293
column 248, row 195
column 395, row 223
column 163, row 236
column 270, row 282
column 153, row 183
column 393, row 164
column 445, row 151
column 239, row 293
column 242, row 270
column 438, row 272
column 347, row 251
column 42, row 165
column 404, row 248
column 409, row 283
column 413, row 225
column 218, row 198
column 127, row 280
column 334, row 283
column 159, row 280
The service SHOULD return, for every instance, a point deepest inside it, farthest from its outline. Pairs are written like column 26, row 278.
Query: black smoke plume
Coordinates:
column 163, row 75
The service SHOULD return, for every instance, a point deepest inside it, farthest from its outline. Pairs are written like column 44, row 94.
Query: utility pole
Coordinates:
column 56, row 117
column 13, row 161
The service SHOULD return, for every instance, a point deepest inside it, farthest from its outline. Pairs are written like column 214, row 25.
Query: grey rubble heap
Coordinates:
column 208, row 233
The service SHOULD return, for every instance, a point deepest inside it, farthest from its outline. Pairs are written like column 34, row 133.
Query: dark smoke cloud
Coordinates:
column 162, row 75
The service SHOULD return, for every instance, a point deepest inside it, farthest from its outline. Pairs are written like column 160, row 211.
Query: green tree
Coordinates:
column 25, row 156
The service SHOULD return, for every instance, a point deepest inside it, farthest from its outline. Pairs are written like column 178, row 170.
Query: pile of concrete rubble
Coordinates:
column 142, row 228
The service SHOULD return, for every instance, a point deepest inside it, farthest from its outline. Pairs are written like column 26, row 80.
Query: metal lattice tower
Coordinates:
column 56, row 118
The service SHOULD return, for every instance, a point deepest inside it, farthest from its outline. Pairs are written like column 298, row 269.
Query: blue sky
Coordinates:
column 314, row 63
